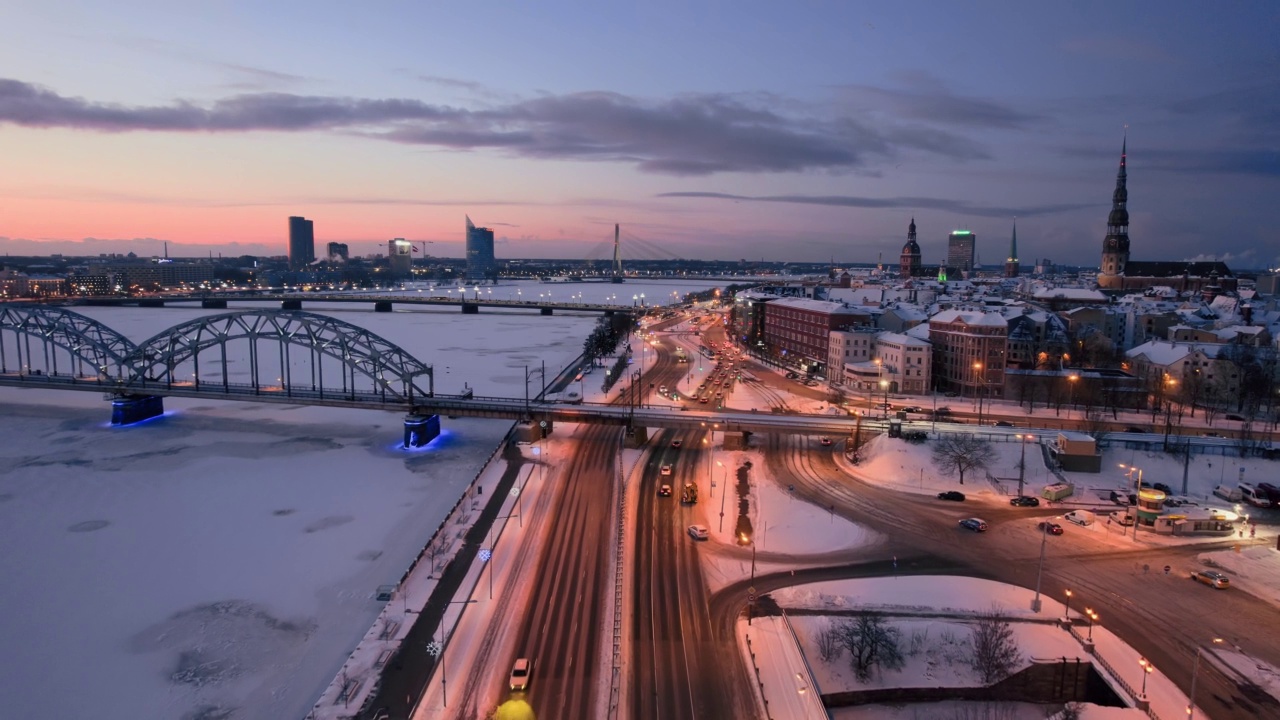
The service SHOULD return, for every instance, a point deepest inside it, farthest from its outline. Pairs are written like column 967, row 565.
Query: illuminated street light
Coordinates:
column 1093, row 618
column 1195, row 670
column 1147, row 669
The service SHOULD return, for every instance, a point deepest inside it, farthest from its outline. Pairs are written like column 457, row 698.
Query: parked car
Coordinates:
column 825, row 441
column 1272, row 492
column 1084, row 518
column 664, row 490
column 1050, row 527
column 1162, row 488
column 974, row 524
column 666, row 470
column 1121, row 518
column 1133, row 429
column 1233, row 416
column 1003, row 423
column 1025, row 501
column 942, row 411
column 955, row 495
column 1212, row 578
column 1123, row 499
column 699, row 532
column 912, row 408
column 520, row 673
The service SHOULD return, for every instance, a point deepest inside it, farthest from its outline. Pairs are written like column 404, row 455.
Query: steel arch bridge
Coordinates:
column 80, row 341
column 243, row 354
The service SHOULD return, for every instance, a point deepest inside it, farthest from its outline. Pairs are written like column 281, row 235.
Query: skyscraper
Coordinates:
column 302, row 243
column 480, row 262
column 961, row 247
column 909, row 264
column 338, row 252
column 400, row 253
column 1011, row 266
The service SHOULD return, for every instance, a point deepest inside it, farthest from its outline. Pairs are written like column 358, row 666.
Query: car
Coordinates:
column 677, row 443
column 1083, row 518
column 703, row 399
column 1050, row 527
column 664, row 490
column 974, row 524
column 942, row 411
column 1025, row 501
column 666, row 470
column 825, row 441
column 1133, row 429
column 1212, row 578
column 954, row 495
column 1162, row 488
column 1123, row 499
column 1003, row 423
column 1121, row 518
column 699, row 532
column 951, row 393
column 911, row 408
column 520, row 674
column 1233, row 416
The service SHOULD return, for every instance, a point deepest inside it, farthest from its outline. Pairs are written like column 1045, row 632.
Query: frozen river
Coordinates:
column 219, row 562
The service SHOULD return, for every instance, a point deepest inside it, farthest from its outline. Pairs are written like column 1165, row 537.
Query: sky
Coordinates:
column 805, row 131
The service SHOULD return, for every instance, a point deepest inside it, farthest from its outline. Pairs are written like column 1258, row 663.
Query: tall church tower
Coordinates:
column 1115, row 248
column 1011, row 263
column 909, row 265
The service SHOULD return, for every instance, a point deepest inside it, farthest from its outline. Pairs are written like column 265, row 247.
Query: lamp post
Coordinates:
column 528, row 374
column 1071, row 380
column 1022, row 464
column 1195, row 670
column 1068, row 605
column 1137, row 488
column 1147, row 669
column 1093, row 618
column 486, row 554
column 436, row 650
column 884, row 384
column 1044, row 540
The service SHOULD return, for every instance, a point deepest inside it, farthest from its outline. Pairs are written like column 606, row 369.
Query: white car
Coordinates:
column 1083, row 518
column 666, row 470
column 699, row 532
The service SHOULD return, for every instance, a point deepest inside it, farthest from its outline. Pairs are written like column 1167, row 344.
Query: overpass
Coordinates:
column 381, row 302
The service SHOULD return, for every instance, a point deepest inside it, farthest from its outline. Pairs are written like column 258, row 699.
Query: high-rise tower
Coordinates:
column 302, row 243
column 480, row 262
column 1115, row 248
column 909, row 265
column 1011, row 263
column 961, row 248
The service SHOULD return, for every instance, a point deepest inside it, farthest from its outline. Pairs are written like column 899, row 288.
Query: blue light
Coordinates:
column 445, row 439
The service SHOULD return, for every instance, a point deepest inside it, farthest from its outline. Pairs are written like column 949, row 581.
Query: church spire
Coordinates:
column 1011, row 267
column 1115, row 248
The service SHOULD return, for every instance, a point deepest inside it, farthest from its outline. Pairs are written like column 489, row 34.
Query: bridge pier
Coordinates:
column 130, row 409
column 470, row 308
column 382, row 306
column 210, row 304
column 290, row 304
column 608, row 313
column 150, row 302
column 546, row 310
column 736, row 441
column 635, row 437
column 420, row 430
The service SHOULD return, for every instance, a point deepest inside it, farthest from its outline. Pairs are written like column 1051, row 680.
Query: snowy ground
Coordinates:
column 1255, row 569
column 223, row 558
column 951, row 595
column 960, row 710
column 909, row 467
column 1204, row 473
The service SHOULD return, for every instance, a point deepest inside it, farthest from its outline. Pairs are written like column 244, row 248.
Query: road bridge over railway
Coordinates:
column 381, row 302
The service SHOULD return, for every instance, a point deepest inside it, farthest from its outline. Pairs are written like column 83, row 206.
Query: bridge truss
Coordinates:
column 251, row 352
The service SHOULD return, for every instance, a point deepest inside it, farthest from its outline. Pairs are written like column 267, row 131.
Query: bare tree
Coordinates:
column 830, row 640
column 871, row 644
column 995, row 650
column 958, row 454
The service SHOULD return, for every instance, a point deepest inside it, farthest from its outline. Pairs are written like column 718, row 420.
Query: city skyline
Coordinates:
column 699, row 131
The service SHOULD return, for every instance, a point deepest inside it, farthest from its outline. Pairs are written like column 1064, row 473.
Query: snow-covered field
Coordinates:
column 909, row 467
column 220, row 561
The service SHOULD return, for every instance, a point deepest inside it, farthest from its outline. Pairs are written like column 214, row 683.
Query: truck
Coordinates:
column 689, row 495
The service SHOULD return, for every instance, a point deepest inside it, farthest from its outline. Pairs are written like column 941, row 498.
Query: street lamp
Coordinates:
column 436, row 648
column 1071, row 380
column 486, row 554
column 1137, row 489
column 1068, row 605
column 1022, row 465
column 1044, row 540
column 1147, row 669
column 1195, row 670
column 884, row 385
column 1093, row 618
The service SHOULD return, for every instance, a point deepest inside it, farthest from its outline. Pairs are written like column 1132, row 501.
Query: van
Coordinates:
column 1228, row 493
column 1254, row 496
column 1083, row 518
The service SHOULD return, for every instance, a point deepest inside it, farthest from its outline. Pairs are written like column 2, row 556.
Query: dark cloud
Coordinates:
column 1261, row 161
column 932, row 103
column 955, row 206
column 690, row 135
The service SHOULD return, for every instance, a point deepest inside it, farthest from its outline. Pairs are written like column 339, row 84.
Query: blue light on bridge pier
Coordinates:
column 133, row 410
column 420, row 430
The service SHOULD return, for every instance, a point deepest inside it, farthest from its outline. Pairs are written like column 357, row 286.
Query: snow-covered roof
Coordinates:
column 1070, row 293
column 969, row 317
column 901, row 339
column 920, row 331
column 1165, row 352
column 820, row 306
